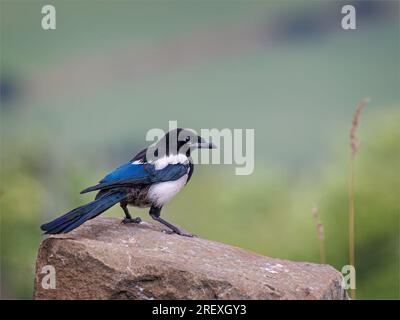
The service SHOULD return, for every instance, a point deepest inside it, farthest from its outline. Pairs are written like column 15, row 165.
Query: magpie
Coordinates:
column 149, row 180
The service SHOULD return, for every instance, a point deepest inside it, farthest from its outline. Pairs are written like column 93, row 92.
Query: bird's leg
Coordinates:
column 155, row 214
column 128, row 218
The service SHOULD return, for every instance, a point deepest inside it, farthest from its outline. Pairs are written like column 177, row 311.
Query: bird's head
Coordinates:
column 181, row 141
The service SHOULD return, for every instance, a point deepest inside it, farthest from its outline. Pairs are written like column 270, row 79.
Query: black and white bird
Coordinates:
column 150, row 180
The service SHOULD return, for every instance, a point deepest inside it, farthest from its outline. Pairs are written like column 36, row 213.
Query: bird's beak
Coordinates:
column 205, row 145
column 200, row 143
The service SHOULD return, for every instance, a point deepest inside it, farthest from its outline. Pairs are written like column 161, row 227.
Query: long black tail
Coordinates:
column 76, row 217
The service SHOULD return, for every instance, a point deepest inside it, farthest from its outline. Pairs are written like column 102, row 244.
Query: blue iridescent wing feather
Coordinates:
column 130, row 174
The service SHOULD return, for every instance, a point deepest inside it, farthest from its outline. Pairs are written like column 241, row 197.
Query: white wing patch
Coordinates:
column 171, row 159
column 137, row 162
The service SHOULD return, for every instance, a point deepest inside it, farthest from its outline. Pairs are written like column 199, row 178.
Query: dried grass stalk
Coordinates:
column 354, row 144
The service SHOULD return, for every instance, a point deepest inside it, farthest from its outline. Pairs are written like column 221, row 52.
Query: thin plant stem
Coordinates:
column 352, row 257
column 320, row 234
column 354, row 144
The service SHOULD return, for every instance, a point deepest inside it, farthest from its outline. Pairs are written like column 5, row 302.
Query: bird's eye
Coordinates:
column 187, row 139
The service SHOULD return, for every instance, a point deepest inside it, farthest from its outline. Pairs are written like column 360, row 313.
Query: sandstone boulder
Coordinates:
column 104, row 259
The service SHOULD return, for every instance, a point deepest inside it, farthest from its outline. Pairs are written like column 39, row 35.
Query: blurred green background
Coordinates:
column 77, row 101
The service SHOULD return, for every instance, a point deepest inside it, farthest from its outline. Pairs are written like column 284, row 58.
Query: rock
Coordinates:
column 104, row 259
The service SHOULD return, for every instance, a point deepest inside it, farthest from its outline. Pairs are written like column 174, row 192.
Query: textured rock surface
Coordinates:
column 104, row 259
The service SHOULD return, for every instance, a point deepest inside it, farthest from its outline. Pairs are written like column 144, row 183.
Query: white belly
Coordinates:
column 162, row 192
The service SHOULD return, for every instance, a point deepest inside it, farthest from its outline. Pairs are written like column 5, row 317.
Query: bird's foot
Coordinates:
column 180, row 232
column 131, row 220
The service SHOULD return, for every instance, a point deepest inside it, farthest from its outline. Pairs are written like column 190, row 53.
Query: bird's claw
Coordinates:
column 132, row 220
column 181, row 233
